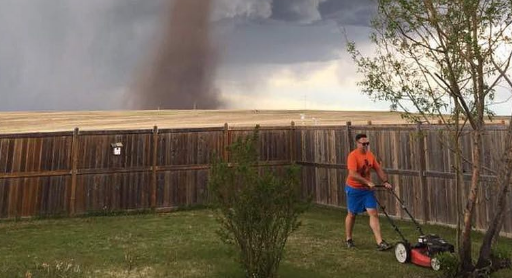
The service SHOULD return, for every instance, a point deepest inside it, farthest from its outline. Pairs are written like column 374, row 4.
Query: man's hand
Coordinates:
column 370, row 184
column 388, row 185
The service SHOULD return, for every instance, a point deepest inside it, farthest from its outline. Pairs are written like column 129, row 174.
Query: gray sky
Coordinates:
column 271, row 54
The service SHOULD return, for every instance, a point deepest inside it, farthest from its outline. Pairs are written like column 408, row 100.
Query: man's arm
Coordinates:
column 355, row 175
column 383, row 177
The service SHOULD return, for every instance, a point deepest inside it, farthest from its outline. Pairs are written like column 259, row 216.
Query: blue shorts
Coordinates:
column 358, row 200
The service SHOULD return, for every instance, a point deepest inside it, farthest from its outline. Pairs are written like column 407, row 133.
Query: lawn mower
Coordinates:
column 424, row 251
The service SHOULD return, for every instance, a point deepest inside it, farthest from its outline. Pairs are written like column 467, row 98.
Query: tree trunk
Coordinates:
column 459, row 185
column 459, row 178
column 465, row 250
column 504, row 179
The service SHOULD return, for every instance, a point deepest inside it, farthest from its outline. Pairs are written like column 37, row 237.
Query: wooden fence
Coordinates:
column 77, row 172
column 72, row 173
column 418, row 161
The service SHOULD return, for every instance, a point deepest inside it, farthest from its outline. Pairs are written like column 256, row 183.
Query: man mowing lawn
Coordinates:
column 360, row 196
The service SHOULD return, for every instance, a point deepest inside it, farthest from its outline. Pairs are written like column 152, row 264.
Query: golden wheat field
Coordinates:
column 23, row 122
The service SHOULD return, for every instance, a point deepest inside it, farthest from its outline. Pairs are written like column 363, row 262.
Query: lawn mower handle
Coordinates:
column 381, row 186
column 402, row 205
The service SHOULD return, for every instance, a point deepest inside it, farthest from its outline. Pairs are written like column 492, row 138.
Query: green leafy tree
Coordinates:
column 257, row 210
column 446, row 57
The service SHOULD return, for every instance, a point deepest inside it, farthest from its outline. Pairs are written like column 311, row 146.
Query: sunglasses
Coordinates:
column 365, row 143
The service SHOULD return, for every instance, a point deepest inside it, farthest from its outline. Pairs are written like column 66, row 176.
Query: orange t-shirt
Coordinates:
column 361, row 163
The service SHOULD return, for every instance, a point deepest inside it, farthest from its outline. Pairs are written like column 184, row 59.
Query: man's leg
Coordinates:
column 374, row 224
column 349, row 225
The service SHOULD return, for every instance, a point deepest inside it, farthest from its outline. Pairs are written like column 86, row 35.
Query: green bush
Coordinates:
column 257, row 210
column 450, row 264
column 500, row 258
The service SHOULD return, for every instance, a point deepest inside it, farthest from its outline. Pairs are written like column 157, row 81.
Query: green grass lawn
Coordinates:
column 184, row 244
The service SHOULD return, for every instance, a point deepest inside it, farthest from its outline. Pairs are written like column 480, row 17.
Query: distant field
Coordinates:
column 13, row 122
column 21, row 122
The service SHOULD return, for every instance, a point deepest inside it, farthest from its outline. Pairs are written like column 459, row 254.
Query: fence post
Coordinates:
column 292, row 142
column 74, row 166
column 225, row 154
column 154, row 168
column 396, row 164
column 421, row 173
column 349, row 136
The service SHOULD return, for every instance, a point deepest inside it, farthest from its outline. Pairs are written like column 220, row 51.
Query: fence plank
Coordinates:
column 74, row 166
column 154, row 167
column 422, row 168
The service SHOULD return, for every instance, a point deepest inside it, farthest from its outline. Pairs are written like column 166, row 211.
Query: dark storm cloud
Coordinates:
column 299, row 31
column 67, row 55
column 349, row 12
column 281, row 43
column 241, row 9
column 84, row 54
column 302, row 11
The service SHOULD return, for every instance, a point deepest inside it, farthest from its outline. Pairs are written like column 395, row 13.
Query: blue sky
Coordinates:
column 271, row 54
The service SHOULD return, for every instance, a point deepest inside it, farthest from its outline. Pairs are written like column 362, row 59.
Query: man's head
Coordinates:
column 362, row 142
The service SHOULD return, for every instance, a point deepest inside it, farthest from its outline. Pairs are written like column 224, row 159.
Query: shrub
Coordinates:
column 450, row 264
column 500, row 258
column 257, row 211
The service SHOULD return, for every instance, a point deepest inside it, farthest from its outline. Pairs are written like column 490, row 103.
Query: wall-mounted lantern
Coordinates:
column 116, row 148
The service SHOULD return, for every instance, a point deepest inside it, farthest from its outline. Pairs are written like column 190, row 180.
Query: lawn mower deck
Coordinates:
column 424, row 251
